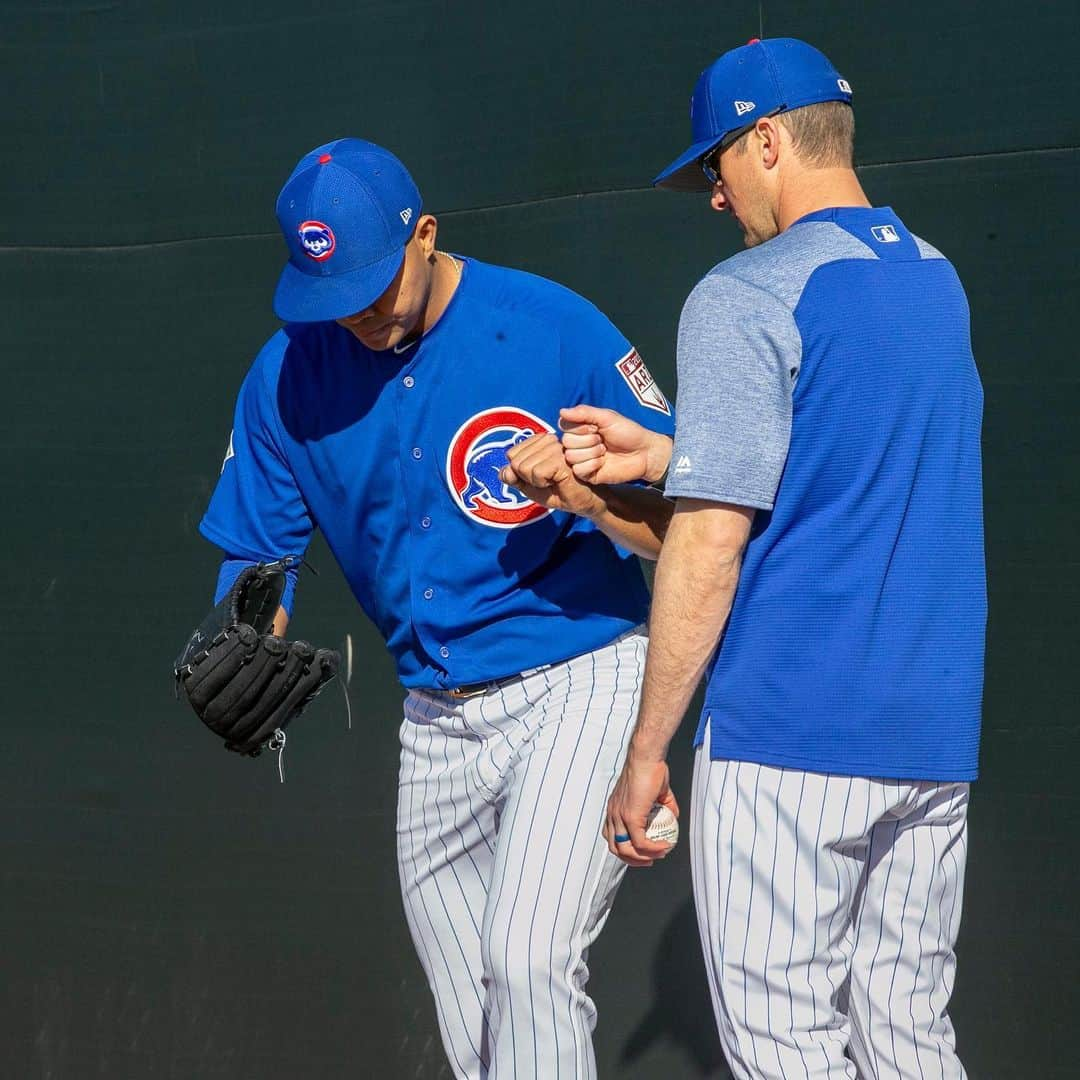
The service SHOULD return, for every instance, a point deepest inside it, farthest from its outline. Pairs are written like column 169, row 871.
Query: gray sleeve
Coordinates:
column 739, row 353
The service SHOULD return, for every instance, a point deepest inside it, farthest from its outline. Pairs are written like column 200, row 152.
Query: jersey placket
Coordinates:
column 417, row 458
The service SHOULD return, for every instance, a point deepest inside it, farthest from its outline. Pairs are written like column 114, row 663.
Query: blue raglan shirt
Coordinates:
column 826, row 378
column 394, row 456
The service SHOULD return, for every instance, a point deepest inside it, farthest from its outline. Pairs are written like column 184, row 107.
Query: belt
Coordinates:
column 475, row 689
column 471, row 689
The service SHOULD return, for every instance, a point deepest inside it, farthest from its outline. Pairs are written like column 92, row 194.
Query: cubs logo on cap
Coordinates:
column 477, row 452
column 317, row 239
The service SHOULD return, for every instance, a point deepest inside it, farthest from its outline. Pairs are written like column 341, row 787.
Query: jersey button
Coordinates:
column 417, row 453
column 409, row 381
column 444, row 652
column 425, row 523
column 429, row 593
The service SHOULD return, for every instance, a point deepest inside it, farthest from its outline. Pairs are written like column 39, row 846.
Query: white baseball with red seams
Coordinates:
column 662, row 826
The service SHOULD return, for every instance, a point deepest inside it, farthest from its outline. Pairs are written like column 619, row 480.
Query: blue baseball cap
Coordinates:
column 347, row 212
column 761, row 78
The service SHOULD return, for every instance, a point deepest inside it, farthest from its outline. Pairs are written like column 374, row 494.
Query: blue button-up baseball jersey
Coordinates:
column 395, row 456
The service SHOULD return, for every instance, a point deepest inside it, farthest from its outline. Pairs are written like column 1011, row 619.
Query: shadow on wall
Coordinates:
column 681, row 1012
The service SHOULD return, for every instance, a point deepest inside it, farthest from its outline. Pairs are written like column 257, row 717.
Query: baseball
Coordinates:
column 662, row 825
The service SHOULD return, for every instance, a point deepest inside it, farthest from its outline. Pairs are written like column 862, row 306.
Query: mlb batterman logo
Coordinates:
column 317, row 240
column 477, row 452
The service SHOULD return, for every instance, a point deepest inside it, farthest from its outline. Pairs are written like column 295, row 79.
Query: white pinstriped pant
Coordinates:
column 504, row 874
column 828, row 908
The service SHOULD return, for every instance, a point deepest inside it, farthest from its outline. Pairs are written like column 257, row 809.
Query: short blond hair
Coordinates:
column 823, row 135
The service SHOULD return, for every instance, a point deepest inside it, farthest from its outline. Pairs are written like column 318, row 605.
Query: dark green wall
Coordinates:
column 169, row 911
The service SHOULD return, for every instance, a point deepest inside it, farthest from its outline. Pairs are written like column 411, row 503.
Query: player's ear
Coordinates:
column 427, row 229
column 767, row 142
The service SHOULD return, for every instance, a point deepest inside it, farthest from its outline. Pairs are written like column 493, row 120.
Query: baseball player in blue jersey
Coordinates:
column 824, row 568
column 409, row 409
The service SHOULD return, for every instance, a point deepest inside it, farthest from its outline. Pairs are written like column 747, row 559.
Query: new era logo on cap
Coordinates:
column 406, row 214
column 743, row 107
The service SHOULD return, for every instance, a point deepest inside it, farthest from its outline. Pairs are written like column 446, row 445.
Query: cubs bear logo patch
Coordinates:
column 477, row 452
column 638, row 377
column 317, row 239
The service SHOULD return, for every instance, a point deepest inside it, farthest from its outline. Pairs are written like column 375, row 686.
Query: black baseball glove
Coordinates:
column 244, row 683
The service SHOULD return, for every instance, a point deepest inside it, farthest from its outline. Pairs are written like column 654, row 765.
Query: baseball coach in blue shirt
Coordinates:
column 824, row 569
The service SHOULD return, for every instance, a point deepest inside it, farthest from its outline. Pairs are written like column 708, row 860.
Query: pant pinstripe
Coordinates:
column 828, row 908
column 505, row 877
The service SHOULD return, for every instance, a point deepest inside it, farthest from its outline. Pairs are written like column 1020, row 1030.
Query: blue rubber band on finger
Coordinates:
column 621, row 838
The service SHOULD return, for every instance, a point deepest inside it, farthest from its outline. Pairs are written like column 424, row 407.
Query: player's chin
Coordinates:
column 749, row 238
column 384, row 337
column 752, row 237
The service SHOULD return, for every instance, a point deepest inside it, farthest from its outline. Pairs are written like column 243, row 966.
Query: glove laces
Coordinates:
column 277, row 745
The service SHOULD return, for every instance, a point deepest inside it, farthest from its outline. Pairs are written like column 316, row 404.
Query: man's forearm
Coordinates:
column 635, row 517
column 696, row 578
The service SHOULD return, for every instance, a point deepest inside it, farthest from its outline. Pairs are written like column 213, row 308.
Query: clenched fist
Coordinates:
column 538, row 469
column 604, row 447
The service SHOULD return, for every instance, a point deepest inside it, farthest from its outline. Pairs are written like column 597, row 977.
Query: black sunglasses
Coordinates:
column 711, row 161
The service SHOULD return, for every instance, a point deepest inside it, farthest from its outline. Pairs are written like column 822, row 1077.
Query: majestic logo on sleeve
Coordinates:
column 477, row 452
column 316, row 239
column 637, row 376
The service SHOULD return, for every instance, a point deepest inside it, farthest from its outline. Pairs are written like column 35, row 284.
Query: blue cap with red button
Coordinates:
column 347, row 212
column 760, row 78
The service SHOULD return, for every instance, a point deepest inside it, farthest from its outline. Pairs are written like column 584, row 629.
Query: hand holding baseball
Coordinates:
column 641, row 786
column 539, row 470
column 605, row 447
